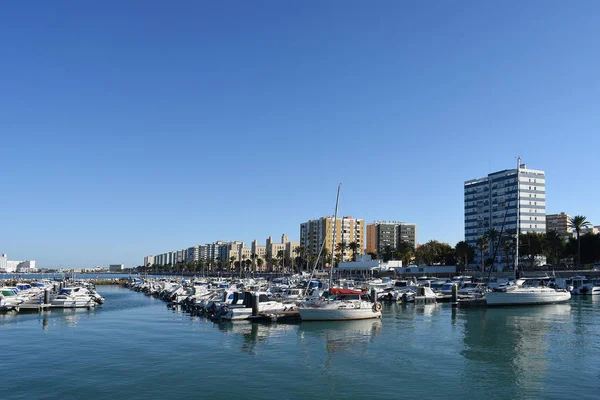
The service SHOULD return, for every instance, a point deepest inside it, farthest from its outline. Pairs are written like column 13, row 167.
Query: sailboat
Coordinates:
column 340, row 304
column 524, row 291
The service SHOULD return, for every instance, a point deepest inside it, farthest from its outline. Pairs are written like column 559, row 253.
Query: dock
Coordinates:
column 279, row 316
column 33, row 307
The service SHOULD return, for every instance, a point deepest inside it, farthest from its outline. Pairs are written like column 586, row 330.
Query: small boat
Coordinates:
column 583, row 286
column 524, row 292
column 74, row 297
column 346, row 305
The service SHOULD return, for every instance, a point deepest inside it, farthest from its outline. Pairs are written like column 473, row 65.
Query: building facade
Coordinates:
column 116, row 267
column 380, row 235
column 559, row 223
column 495, row 201
column 347, row 230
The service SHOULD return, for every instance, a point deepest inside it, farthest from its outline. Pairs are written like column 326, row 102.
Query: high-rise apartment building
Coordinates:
column 347, row 230
column 380, row 235
column 491, row 203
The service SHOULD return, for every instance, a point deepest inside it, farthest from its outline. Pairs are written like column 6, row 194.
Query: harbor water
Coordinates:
column 134, row 347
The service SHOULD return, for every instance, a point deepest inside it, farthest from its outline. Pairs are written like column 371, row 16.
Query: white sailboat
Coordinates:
column 340, row 304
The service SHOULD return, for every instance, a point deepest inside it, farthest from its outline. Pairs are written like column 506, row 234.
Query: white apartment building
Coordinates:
column 491, row 202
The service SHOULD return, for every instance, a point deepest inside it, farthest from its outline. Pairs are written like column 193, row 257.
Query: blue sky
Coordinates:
column 136, row 127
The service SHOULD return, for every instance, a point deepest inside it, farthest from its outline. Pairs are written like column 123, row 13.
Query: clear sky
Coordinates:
column 130, row 128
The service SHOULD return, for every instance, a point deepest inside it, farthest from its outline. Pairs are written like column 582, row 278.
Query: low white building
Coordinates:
column 25, row 267
column 427, row 269
column 12, row 266
column 364, row 264
column 116, row 267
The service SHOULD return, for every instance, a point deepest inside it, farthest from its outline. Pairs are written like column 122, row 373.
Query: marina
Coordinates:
column 424, row 349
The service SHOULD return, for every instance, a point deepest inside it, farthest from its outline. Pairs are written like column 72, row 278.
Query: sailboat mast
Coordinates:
column 518, row 217
column 337, row 200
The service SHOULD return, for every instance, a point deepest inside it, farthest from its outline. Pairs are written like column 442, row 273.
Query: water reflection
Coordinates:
column 254, row 333
column 510, row 344
column 342, row 335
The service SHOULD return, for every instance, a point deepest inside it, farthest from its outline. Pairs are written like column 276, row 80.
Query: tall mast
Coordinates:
column 337, row 200
column 518, row 216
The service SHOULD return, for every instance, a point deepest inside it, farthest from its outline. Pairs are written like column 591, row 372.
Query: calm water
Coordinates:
column 134, row 347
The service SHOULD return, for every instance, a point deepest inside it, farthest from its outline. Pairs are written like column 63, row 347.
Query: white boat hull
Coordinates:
column 527, row 297
column 73, row 303
column 334, row 312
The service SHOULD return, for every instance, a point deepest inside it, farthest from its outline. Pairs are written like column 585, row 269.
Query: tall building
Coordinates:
column 148, row 260
column 559, row 223
column 3, row 262
column 383, row 234
column 491, row 203
column 347, row 230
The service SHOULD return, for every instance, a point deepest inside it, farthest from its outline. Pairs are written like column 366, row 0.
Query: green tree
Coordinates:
column 260, row 262
column 301, row 253
column 388, row 253
column 355, row 247
column 578, row 222
column 404, row 252
column 555, row 245
column 325, row 255
column 482, row 244
column 464, row 252
column 508, row 247
column 341, row 250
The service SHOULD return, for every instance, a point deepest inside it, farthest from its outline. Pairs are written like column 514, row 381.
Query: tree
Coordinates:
column 532, row 245
column 578, row 222
column 404, row 252
column 464, row 252
column 259, row 262
column 232, row 261
column 253, row 257
column 482, row 244
column 508, row 247
column 281, row 258
column 325, row 254
column 301, row 253
column 388, row 253
column 492, row 235
column 341, row 250
column 555, row 245
column 355, row 247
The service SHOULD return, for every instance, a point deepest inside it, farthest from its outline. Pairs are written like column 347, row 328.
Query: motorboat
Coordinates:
column 265, row 305
column 74, row 297
column 583, row 286
column 525, row 291
column 341, row 305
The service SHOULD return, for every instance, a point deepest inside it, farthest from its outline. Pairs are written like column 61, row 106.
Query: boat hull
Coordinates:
column 329, row 314
column 525, row 297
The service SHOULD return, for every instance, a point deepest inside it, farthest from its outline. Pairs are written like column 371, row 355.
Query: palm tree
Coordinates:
column 492, row 235
column 341, row 249
column 463, row 251
column 259, row 262
column 301, row 253
column 554, row 244
column 325, row 254
column 578, row 222
column 232, row 261
column 508, row 246
column 253, row 257
column 482, row 244
column 354, row 246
